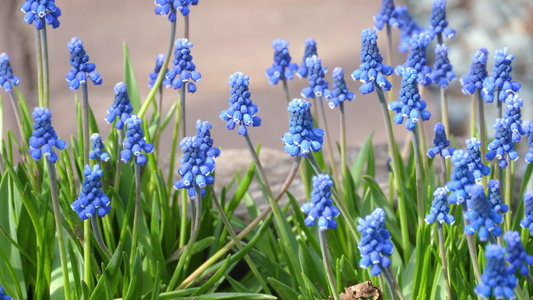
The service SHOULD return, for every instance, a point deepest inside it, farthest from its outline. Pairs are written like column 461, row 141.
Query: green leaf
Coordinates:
column 244, row 184
column 136, row 283
column 313, row 266
column 131, row 83
column 198, row 246
column 284, row 291
column 112, row 269
column 157, row 284
column 347, row 273
column 211, row 281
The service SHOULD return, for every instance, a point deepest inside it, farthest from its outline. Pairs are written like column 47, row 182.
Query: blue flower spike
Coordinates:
column 310, row 50
column 92, row 199
column 81, row 67
column 44, row 136
column 183, row 69
column 441, row 144
column 483, row 218
column 417, row 59
column 339, row 91
column 527, row 221
column 302, row 137
column 169, row 8
column 121, row 108
column 372, row 69
column 3, row 295
column 134, row 143
column 502, row 144
column 159, row 60
column 388, row 15
column 241, row 110
column 438, row 23
column 316, row 73
column 500, row 80
column 496, row 281
column 474, row 159
column 7, row 79
column 282, row 68
column 513, row 116
column 495, row 197
column 527, row 128
column 517, row 256
column 375, row 245
column 321, row 207
column 442, row 69
column 98, row 146
column 478, row 72
column 440, row 211
column 461, row 179
column 408, row 30
column 37, row 11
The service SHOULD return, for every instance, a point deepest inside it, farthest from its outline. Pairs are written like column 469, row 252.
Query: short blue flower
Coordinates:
column 121, row 108
column 409, row 106
column 527, row 128
column 159, row 60
column 502, row 144
column 517, row 256
column 474, row 159
column 321, row 207
column 478, row 72
column 44, row 136
column 98, row 146
column 197, row 163
column 92, row 199
column 440, row 210
column 442, row 69
column 417, row 59
column 441, row 144
column 495, row 197
column 316, row 72
column 7, row 79
column 3, row 295
column 496, row 281
column 461, row 179
column 527, row 221
column 372, row 69
column 339, row 91
column 134, row 142
column 302, row 137
column 37, row 11
column 169, row 7
column 241, row 110
column 375, row 245
column 513, row 116
column 483, row 218
column 438, row 24
column 388, row 14
column 500, row 80
column 81, row 67
column 183, row 69
column 310, row 50
column 408, row 30
column 282, row 68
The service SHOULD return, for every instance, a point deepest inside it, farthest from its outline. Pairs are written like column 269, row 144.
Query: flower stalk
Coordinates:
column 419, row 181
column 443, row 260
column 46, row 72
column 327, row 265
column 333, row 165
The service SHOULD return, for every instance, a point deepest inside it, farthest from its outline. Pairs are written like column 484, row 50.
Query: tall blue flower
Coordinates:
column 417, row 59
column 388, row 14
column 169, row 8
column 37, row 11
column 527, row 128
column 461, row 179
column 517, row 256
column 483, row 218
column 502, row 144
column 496, row 281
column 475, row 162
column 282, row 68
column 159, row 60
column 92, row 199
column 134, row 142
column 7, row 79
column 438, row 23
column 478, row 72
column 513, row 116
column 44, row 136
column 409, row 106
column 441, row 144
column 375, row 245
column 321, row 206
column 500, row 80
column 3, row 295
column 372, row 69
column 339, row 91
column 197, row 163
column 121, row 108
column 310, row 50
column 98, row 146
column 408, row 30
column 81, row 67
column 440, row 211
column 241, row 110
column 527, row 221
column 183, row 69
column 302, row 137
column 442, row 69
column 495, row 197
column 316, row 72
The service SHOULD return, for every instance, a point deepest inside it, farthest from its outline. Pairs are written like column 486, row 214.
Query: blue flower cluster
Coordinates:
column 375, row 245
column 495, row 197
column 440, row 210
column 442, row 69
column 339, row 91
column 388, row 14
column 98, row 146
column 496, row 281
column 159, row 60
column 483, row 218
column 92, row 199
column 282, row 68
column 197, row 163
column 475, row 163
column 241, row 110
column 417, row 59
column 372, row 69
column 500, row 80
column 81, row 67
column 44, row 136
column 409, row 29
column 37, row 11
column 527, row 128
column 461, row 179
column 169, row 7
column 302, row 137
column 438, row 24
column 121, row 108
column 409, row 106
column 3, row 295
column 441, row 143
column 502, row 144
column 310, row 50
column 478, row 72
column 513, row 116
column 527, row 221
column 134, row 142
column 517, row 256
column 316, row 72
column 7, row 79
column 321, row 206
column 183, row 69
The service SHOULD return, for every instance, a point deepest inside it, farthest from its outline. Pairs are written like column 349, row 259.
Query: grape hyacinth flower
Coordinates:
column 121, row 108
column 282, row 68
column 442, row 69
column 478, row 72
column 316, row 72
column 517, row 256
column 159, row 60
column 339, row 91
column 37, row 11
column 7, row 79
column 440, row 210
column 513, row 117
column 44, row 136
column 92, row 199
column 372, row 69
column 417, row 59
column 302, row 137
column 3, row 295
column 98, row 146
column 496, row 281
column 474, row 159
column 183, row 69
column 441, row 143
column 409, row 106
column 408, row 30
column 527, row 221
column 241, row 110
column 388, row 14
column 134, row 142
column 500, row 79
column 502, row 144
column 169, row 7
column 483, row 218
column 81, row 67
column 375, row 245
column 438, row 24
column 495, row 197
column 310, row 50
column 462, row 178
column 321, row 206
column 527, row 128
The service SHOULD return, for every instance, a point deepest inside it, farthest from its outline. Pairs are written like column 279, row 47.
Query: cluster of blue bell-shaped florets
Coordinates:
column 316, row 73
column 282, row 68
column 500, row 80
column 169, row 8
column 502, row 144
column 375, row 245
column 496, row 280
column 134, row 143
column 388, row 15
column 527, row 128
column 37, row 11
column 438, row 24
column 183, row 69
column 527, row 221
column 310, row 50
column 159, row 60
column 7, row 79
column 495, row 197
column 417, row 59
column 44, row 136
column 475, row 162
column 442, row 69
column 98, row 146
column 409, row 29
column 441, row 144
column 440, row 211
column 461, row 179
column 339, row 91
column 517, row 256
column 478, row 72
column 121, row 108
column 81, row 67
column 483, row 218
column 321, row 207
column 302, row 136
column 92, row 199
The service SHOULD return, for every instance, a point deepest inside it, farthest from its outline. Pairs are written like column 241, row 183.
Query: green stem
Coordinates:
column 290, row 177
column 343, row 151
column 444, row 109
column 137, row 212
column 389, row 59
column 46, row 73
column 498, row 103
column 419, row 186
column 472, row 249
column 322, row 113
column 443, row 261
column 182, row 110
column 19, row 123
column 388, row 270
column 38, row 46
column 327, row 265
column 175, row 136
column 482, row 131
column 186, row 26
column 157, row 137
column 119, row 165
column 286, row 90
column 85, row 123
column 389, row 282
column 444, row 172
column 183, row 224
column 98, row 237
column 473, row 114
column 509, row 190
